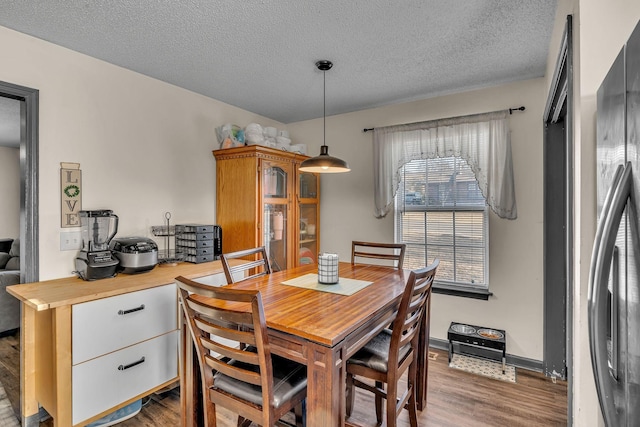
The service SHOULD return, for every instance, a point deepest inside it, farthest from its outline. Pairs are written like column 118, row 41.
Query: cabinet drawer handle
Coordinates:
column 131, row 365
column 131, row 310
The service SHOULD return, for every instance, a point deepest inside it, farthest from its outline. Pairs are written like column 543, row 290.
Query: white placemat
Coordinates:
column 344, row 286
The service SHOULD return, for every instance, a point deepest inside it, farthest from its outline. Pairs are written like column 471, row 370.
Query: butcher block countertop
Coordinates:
column 50, row 294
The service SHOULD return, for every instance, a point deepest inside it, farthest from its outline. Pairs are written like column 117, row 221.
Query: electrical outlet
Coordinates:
column 70, row 241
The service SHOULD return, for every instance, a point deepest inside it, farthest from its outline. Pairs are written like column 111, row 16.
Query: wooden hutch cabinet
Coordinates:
column 262, row 199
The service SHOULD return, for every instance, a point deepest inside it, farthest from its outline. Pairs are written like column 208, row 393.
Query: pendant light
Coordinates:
column 324, row 163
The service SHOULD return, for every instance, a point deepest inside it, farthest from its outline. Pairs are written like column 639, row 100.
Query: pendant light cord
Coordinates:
column 324, row 107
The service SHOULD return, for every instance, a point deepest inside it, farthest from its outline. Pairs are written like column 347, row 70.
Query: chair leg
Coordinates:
column 413, row 410
column 210, row 418
column 412, row 404
column 378, row 400
column 350, row 392
column 392, row 404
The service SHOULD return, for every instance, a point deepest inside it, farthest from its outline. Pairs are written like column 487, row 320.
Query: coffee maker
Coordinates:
column 95, row 260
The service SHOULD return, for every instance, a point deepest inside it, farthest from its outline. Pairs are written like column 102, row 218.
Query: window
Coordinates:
column 441, row 213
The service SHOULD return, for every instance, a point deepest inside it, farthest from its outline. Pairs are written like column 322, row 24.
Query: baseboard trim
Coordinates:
column 517, row 361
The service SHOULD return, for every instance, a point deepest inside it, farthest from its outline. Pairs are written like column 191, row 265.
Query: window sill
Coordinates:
column 461, row 291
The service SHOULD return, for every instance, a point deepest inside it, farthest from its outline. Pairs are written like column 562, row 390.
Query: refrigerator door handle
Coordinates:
column 599, row 324
column 615, row 277
column 603, row 216
column 611, row 223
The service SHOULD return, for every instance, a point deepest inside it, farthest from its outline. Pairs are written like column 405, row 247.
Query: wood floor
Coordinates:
column 455, row 399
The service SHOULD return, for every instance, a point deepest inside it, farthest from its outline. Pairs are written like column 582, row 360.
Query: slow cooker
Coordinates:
column 136, row 254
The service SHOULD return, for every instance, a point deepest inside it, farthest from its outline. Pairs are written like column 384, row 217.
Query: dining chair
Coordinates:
column 382, row 251
column 248, row 379
column 388, row 355
column 257, row 264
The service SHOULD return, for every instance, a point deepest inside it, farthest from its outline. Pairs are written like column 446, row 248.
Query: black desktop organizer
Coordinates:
column 199, row 242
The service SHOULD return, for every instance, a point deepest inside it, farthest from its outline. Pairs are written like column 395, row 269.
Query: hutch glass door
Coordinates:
column 275, row 191
column 308, row 213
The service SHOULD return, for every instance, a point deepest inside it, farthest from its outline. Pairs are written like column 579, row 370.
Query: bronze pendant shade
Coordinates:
column 324, row 163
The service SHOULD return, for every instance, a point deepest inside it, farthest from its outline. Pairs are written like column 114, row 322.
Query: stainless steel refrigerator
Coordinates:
column 614, row 286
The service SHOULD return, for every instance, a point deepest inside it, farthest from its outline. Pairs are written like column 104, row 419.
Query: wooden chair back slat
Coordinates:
column 219, row 313
column 229, row 352
column 232, row 371
column 257, row 264
column 224, row 332
column 382, row 251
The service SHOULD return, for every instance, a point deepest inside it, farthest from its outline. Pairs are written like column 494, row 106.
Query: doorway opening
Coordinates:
column 558, row 216
column 29, row 258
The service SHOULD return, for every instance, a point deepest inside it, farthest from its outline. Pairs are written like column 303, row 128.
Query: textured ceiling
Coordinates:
column 259, row 55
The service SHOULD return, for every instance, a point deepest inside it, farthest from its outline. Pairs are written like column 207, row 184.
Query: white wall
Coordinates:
column 144, row 146
column 515, row 246
column 9, row 192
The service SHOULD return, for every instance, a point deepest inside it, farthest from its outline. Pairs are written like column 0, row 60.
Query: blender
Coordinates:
column 95, row 260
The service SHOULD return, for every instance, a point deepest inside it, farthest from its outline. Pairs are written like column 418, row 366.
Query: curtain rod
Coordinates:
column 511, row 110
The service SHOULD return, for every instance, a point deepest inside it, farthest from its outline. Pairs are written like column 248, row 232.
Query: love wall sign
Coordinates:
column 70, row 194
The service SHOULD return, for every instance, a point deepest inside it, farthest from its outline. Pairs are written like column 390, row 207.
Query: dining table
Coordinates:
column 320, row 326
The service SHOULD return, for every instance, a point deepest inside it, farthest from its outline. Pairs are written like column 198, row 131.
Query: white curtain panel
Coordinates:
column 481, row 139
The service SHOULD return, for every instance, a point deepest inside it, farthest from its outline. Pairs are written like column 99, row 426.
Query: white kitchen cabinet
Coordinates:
column 122, row 346
column 109, row 380
column 109, row 324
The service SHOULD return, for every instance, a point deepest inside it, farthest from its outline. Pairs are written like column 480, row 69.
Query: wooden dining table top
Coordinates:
column 323, row 317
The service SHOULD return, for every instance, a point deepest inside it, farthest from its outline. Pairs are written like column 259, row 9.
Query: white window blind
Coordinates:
column 441, row 213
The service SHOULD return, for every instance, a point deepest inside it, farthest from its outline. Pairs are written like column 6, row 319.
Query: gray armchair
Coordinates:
column 9, row 275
